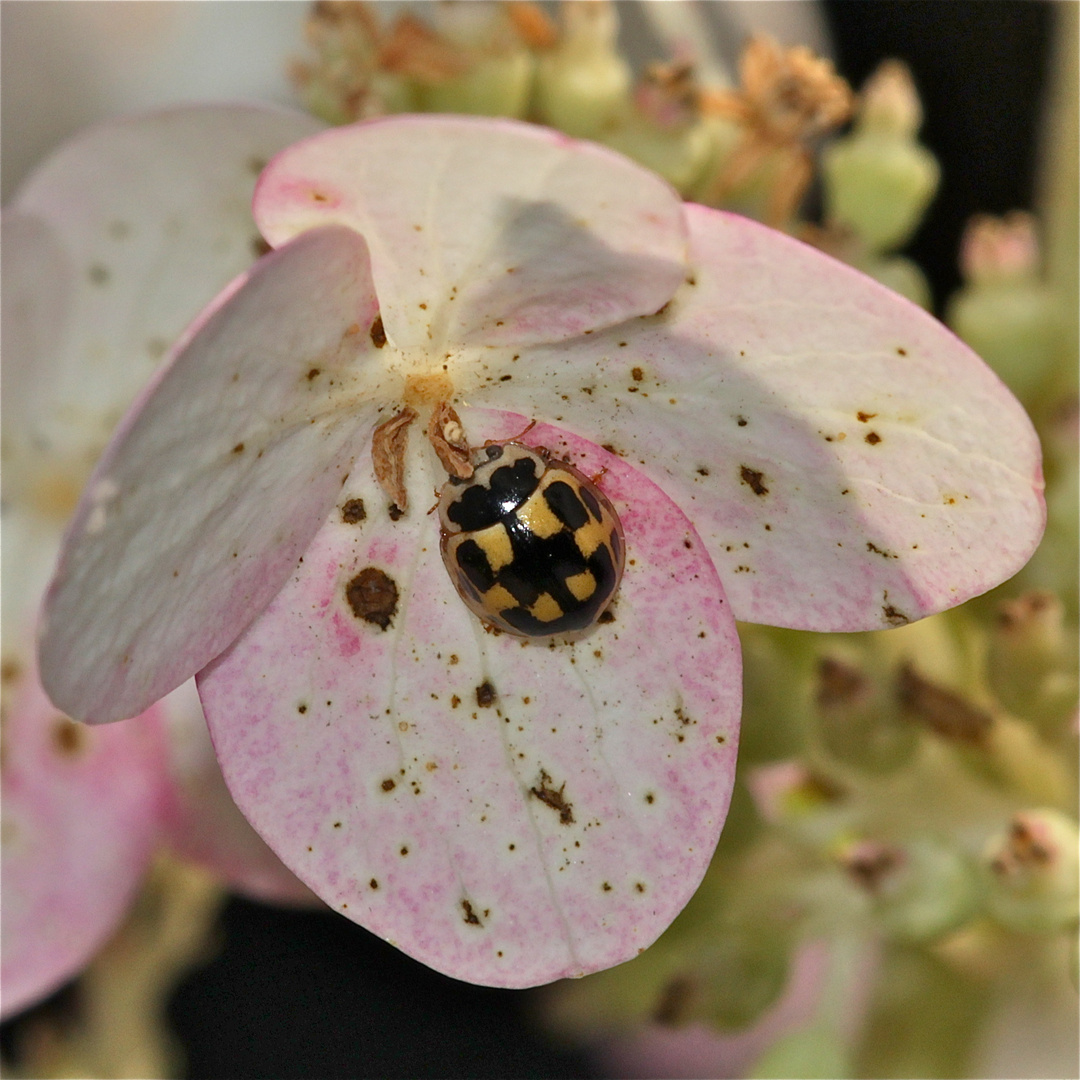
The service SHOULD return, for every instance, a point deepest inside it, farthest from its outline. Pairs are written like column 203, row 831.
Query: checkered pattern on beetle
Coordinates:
column 532, row 545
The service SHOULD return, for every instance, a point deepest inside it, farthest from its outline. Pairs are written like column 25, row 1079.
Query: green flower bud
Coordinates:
column 664, row 128
column 1004, row 312
column 1032, row 871
column 949, row 714
column 493, row 86
column 680, row 154
column 496, row 68
column 785, row 791
column 919, row 891
column 749, row 973
column 879, row 180
column 858, row 720
column 583, row 84
column 1032, row 667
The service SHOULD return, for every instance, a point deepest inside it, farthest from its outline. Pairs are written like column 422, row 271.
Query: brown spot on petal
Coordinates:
column 880, row 551
column 754, row 479
column 373, row 596
column 470, row 916
column 554, row 797
column 873, row 438
column 485, row 695
column 353, row 512
column 378, row 333
column 894, row 616
column 864, row 416
column 388, row 784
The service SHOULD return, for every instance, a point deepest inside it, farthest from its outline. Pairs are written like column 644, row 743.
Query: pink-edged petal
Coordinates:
column 485, row 231
column 850, row 464
column 507, row 812
column 215, row 482
column 203, row 824
column 144, row 220
column 81, row 812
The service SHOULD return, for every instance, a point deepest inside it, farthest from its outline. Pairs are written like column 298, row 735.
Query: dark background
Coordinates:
column 309, row 994
column 980, row 67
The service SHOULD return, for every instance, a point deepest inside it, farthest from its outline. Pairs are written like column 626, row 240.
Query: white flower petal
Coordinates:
column 507, row 812
column 216, row 482
column 850, row 463
column 482, row 231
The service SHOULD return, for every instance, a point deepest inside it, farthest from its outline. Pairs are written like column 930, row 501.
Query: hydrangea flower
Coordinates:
column 513, row 811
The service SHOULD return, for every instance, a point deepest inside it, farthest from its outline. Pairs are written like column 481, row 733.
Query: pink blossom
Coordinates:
column 760, row 415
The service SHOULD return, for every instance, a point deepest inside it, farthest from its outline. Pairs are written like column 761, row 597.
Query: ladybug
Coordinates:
column 532, row 546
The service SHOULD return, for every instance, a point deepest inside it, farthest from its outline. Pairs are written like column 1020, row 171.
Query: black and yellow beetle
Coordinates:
column 532, row 546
